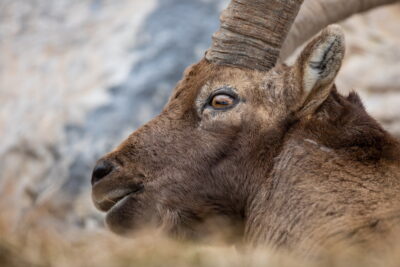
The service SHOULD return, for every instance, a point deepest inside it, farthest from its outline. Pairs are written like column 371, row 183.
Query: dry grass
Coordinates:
column 36, row 242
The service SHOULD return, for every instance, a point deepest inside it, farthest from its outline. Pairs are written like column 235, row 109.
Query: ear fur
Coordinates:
column 318, row 66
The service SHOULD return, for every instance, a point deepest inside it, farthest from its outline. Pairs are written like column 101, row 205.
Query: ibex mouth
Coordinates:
column 114, row 197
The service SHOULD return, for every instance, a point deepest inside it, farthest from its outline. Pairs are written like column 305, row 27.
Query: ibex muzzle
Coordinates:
column 273, row 152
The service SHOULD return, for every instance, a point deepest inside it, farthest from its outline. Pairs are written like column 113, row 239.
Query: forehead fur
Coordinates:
column 251, row 84
column 272, row 89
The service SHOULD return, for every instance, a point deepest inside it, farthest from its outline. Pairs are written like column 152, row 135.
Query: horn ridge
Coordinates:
column 252, row 33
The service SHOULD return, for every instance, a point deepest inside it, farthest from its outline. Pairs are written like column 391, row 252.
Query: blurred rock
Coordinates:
column 372, row 63
column 76, row 77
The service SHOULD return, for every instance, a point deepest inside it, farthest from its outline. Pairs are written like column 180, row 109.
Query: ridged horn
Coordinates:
column 252, row 33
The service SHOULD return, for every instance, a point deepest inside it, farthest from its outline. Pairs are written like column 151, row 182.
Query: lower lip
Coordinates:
column 118, row 202
column 121, row 201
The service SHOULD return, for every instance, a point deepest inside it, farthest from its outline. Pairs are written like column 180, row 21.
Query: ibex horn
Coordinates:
column 252, row 33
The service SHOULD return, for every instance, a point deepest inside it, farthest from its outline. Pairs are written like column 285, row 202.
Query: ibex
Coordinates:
column 273, row 151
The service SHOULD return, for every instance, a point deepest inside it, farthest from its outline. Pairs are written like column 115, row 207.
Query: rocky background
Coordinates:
column 77, row 76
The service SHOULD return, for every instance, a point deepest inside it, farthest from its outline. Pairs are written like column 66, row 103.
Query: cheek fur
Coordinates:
column 222, row 120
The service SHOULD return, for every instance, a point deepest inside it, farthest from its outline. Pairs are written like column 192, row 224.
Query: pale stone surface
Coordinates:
column 372, row 65
column 76, row 77
column 57, row 59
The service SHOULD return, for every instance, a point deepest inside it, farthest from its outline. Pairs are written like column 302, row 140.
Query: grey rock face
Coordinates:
column 173, row 35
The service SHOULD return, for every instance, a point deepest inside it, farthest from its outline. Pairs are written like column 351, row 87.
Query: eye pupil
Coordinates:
column 222, row 101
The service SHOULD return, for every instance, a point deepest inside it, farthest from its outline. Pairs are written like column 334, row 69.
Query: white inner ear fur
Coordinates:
column 325, row 59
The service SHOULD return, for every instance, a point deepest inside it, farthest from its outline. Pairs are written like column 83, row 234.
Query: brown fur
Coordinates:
column 272, row 171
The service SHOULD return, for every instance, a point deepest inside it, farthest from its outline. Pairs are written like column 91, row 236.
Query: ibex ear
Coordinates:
column 318, row 66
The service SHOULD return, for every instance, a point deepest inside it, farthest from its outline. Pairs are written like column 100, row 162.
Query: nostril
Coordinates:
column 101, row 170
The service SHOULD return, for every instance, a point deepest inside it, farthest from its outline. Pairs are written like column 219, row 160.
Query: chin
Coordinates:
column 122, row 218
column 130, row 215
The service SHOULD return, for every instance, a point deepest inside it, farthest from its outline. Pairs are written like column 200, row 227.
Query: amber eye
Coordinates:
column 222, row 101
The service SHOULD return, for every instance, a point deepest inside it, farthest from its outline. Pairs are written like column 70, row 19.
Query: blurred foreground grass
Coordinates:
column 33, row 244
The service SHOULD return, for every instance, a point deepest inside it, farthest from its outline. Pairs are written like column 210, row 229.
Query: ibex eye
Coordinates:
column 222, row 101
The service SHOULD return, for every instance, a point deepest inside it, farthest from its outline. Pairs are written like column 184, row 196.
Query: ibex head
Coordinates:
column 210, row 153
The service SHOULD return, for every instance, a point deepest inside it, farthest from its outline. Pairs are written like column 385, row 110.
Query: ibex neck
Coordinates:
column 315, row 192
